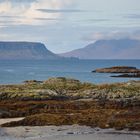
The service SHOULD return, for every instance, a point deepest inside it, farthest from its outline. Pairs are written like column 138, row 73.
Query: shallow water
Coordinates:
column 18, row 71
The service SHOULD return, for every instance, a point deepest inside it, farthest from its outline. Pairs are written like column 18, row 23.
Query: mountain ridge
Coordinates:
column 108, row 49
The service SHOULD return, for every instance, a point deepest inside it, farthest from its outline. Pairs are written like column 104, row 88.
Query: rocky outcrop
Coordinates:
column 118, row 69
column 135, row 75
column 62, row 80
column 62, row 88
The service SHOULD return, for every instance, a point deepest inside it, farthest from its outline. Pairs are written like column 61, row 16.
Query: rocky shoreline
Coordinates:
column 126, row 71
column 63, row 101
column 137, row 75
column 118, row 69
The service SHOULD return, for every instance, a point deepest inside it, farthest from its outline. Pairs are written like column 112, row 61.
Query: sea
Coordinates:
column 15, row 72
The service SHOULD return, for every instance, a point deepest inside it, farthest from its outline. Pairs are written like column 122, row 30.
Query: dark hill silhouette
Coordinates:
column 25, row 51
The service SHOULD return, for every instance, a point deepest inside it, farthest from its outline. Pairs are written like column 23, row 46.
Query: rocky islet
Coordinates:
column 123, row 71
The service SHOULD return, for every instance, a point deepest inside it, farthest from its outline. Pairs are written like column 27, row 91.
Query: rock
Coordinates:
column 70, row 133
column 133, row 83
column 32, row 82
column 62, row 80
column 4, row 113
column 69, row 89
column 38, row 94
column 62, row 85
column 118, row 69
column 135, row 75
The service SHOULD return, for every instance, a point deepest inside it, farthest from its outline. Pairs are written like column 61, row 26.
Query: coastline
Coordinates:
column 42, row 70
column 62, row 108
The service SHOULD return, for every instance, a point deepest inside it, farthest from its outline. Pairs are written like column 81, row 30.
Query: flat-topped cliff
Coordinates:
column 25, row 51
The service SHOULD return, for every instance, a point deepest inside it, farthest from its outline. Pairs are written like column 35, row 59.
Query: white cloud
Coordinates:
column 5, row 7
column 116, row 34
column 28, row 10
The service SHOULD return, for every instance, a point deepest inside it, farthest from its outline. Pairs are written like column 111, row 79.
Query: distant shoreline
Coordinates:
column 14, row 72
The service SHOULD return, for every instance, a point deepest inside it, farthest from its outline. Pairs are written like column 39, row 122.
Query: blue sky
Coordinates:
column 64, row 25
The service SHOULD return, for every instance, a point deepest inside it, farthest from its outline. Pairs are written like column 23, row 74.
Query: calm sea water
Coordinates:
column 19, row 71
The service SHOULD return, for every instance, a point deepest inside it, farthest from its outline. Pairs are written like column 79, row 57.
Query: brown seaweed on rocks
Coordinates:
column 62, row 101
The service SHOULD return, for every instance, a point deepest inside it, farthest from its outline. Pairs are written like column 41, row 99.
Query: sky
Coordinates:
column 64, row 25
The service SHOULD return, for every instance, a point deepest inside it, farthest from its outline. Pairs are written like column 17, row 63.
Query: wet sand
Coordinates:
column 65, row 133
column 74, row 132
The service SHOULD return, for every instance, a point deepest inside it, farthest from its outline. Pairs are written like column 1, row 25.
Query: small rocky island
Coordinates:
column 126, row 71
column 134, row 75
column 64, row 101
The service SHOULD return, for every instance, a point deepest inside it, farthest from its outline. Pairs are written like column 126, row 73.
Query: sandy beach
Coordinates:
column 74, row 132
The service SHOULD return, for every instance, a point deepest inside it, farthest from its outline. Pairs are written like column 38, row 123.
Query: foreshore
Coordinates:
column 62, row 105
column 73, row 132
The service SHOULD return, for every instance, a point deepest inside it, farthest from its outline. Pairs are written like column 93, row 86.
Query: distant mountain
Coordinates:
column 108, row 49
column 25, row 51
